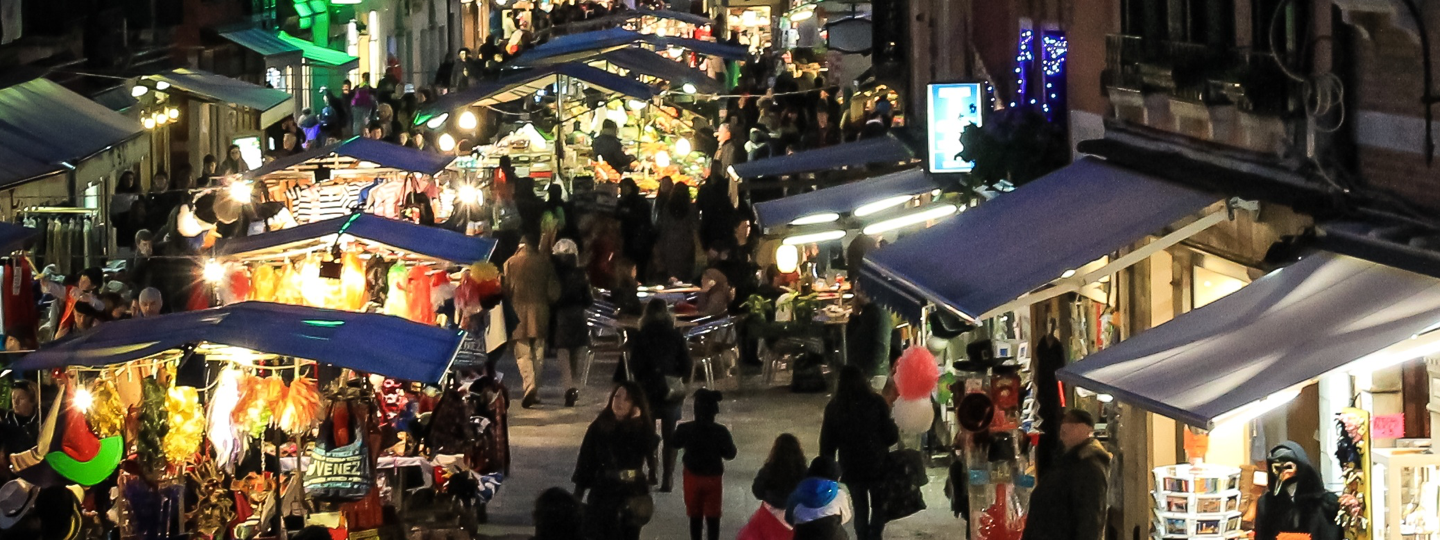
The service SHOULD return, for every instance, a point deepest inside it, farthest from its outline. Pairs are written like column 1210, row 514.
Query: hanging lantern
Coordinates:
column 787, row 258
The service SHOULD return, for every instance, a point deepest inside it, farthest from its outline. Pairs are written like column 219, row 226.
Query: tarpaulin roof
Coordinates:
column 321, row 55
column 368, row 342
column 525, row 83
column 263, row 42
column 842, row 199
column 384, row 155
column 653, row 64
column 1283, row 330
column 14, row 236
column 885, row 149
column 404, row 236
column 273, row 104
column 54, row 128
column 1004, row 248
column 573, row 47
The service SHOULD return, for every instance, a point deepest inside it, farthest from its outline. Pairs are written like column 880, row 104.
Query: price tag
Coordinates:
column 1387, row 426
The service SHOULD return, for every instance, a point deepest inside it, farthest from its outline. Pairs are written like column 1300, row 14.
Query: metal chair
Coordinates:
column 714, row 345
column 605, row 333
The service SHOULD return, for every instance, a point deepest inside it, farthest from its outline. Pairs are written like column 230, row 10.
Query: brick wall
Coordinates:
column 1386, row 88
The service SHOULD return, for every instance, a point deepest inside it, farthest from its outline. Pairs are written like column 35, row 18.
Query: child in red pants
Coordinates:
column 707, row 445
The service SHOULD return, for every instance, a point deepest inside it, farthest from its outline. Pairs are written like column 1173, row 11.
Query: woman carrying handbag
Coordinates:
column 660, row 361
column 611, row 463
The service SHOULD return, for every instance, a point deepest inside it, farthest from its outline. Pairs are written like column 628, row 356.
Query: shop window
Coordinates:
column 1215, row 278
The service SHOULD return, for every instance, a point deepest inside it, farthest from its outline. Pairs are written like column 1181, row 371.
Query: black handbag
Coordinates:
column 904, row 475
column 637, row 510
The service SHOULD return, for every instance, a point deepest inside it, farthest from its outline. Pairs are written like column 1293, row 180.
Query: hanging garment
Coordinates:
column 40, row 239
column 387, row 198
column 422, row 310
column 352, row 282
column 77, row 246
column 21, row 314
column 377, row 281
column 52, row 246
column 87, row 236
column 321, row 202
column 395, row 301
column 264, row 283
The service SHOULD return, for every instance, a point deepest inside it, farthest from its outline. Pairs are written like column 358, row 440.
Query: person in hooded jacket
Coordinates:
column 1296, row 500
column 1069, row 502
column 609, row 468
column 571, row 336
column 859, row 429
column 819, row 509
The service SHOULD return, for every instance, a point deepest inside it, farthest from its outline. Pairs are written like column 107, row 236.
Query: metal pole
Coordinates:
column 559, row 129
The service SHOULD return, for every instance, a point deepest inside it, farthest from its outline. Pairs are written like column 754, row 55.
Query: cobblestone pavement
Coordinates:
column 545, row 441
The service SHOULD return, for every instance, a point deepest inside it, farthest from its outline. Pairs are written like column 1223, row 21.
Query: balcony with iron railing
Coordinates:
column 1250, row 80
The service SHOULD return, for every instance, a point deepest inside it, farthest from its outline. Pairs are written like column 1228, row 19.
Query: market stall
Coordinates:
column 654, row 139
column 376, row 176
column 1327, row 324
column 362, row 262
column 223, row 396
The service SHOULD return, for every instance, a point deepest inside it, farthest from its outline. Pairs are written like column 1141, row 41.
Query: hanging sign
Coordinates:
column 951, row 107
column 1387, row 426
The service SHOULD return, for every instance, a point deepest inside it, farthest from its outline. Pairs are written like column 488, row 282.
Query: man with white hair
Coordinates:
column 149, row 302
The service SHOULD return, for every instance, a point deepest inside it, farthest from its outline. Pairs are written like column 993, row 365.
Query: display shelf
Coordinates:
column 1405, row 486
column 1197, row 501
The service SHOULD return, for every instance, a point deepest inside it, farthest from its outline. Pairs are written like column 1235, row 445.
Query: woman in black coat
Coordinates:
column 659, row 351
column 609, row 468
column 858, row 427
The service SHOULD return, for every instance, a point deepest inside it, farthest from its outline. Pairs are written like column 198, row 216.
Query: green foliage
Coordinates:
column 1016, row 145
column 154, row 424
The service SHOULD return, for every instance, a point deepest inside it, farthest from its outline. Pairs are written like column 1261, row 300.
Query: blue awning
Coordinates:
column 994, row 253
column 53, row 129
column 885, row 149
column 643, row 62
column 566, row 48
column 13, row 237
column 384, row 155
column 402, row 236
column 263, row 42
column 526, row 83
column 1285, row 329
column 842, row 199
column 272, row 104
column 573, row 47
column 707, row 48
column 373, row 343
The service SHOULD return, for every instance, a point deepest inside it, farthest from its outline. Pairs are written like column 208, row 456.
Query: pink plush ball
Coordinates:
column 916, row 373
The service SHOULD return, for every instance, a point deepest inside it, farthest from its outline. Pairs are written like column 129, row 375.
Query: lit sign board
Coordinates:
column 951, row 108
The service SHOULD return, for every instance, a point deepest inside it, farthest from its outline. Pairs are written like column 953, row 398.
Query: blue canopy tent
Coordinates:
column 652, row 64
column 374, row 156
column 47, row 129
column 526, row 83
column 1323, row 313
column 273, row 105
column 402, row 236
column 989, row 256
column 565, row 49
column 885, row 149
column 13, row 237
column 842, row 199
column 373, row 343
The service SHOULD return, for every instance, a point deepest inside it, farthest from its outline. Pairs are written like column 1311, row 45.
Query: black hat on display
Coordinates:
column 948, row 326
column 59, row 511
column 975, row 411
column 982, row 353
column 17, row 498
column 1002, row 447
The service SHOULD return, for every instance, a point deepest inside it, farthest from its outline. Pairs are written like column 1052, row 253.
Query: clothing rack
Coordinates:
column 83, row 236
